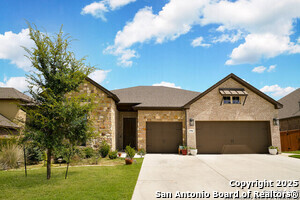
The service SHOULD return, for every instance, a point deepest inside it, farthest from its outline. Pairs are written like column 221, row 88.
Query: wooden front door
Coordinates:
column 129, row 132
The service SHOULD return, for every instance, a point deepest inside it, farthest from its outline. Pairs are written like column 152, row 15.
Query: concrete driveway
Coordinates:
column 171, row 173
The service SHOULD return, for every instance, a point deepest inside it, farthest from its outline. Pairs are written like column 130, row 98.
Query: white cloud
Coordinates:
column 166, row 84
column 11, row 48
column 259, row 46
column 298, row 40
column 199, row 42
column 233, row 37
column 271, row 68
column 99, row 75
column 277, row 91
column 266, row 26
column 98, row 9
column 116, row 4
column 18, row 83
column 259, row 69
column 125, row 55
column 176, row 18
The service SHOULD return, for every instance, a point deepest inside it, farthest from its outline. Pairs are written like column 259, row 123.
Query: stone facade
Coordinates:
column 292, row 123
column 119, row 134
column 145, row 116
column 209, row 108
column 104, row 115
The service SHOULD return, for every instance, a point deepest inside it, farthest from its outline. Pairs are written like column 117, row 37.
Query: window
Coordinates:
column 236, row 100
column 226, row 100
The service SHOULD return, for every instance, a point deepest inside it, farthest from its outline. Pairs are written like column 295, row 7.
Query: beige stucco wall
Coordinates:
column 208, row 108
column 104, row 115
column 121, row 116
column 10, row 110
column 145, row 116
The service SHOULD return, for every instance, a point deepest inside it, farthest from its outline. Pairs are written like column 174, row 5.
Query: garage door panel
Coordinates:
column 232, row 137
column 163, row 137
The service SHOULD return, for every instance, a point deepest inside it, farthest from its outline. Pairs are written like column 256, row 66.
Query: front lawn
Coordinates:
column 295, row 152
column 295, row 156
column 84, row 182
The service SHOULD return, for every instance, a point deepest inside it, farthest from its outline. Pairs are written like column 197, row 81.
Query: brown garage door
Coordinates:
column 163, row 137
column 233, row 137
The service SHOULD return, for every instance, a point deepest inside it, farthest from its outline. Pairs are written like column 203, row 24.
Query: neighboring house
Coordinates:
column 230, row 117
column 289, row 117
column 12, row 118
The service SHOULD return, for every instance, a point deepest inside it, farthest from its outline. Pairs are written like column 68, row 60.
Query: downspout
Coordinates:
column 186, row 126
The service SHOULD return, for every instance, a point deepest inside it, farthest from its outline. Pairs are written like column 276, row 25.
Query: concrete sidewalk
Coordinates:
column 171, row 173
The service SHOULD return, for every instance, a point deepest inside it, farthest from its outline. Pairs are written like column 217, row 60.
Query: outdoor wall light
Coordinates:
column 192, row 122
column 275, row 121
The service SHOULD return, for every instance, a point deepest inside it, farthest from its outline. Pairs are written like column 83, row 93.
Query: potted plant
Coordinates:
column 130, row 153
column 141, row 152
column 184, row 150
column 179, row 149
column 273, row 150
column 193, row 151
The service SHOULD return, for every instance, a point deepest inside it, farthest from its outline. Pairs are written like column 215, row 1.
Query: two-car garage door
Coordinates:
column 233, row 137
column 211, row 136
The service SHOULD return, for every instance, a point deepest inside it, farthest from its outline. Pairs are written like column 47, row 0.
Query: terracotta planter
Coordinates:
column 183, row 151
column 128, row 161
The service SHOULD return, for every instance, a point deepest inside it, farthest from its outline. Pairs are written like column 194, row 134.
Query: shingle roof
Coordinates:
column 11, row 93
column 4, row 122
column 155, row 96
column 291, row 107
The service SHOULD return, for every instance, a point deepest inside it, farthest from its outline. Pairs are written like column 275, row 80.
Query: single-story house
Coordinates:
column 289, row 117
column 12, row 118
column 231, row 116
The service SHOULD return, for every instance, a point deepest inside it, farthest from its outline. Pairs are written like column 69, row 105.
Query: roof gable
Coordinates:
column 109, row 93
column 242, row 82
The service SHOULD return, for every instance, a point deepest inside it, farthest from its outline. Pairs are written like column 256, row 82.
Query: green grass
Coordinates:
column 295, row 156
column 295, row 152
column 89, row 182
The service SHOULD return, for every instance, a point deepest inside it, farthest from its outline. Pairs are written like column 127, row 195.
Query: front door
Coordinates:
column 129, row 132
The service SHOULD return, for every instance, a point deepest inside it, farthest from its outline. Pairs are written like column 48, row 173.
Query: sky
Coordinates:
column 188, row 44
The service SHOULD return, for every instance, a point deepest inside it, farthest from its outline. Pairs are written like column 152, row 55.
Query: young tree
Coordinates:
column 56, row 72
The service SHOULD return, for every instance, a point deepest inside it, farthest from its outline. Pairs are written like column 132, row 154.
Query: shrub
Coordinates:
column 104, row 149
column 10, row 155
column 89, row 152
column 113, row 154
column 130, row 152
column 6, row 141
column 141, row 152
column 80, row 153
column 34, row 154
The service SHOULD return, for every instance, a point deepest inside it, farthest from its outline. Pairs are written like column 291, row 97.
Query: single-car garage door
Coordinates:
column 163, row 137
column 233, row 137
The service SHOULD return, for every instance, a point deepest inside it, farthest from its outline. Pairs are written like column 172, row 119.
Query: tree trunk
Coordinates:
column 25, row 164
column 67, row 171
column 49, row 163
